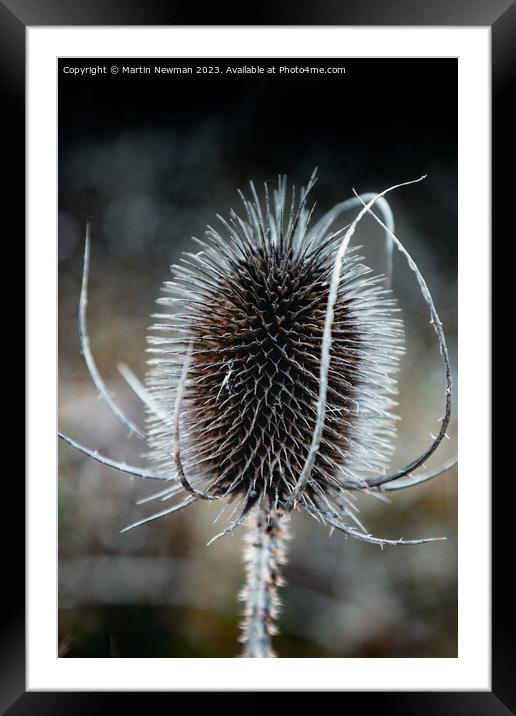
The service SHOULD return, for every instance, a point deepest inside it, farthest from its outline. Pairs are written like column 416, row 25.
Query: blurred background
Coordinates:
column 151, row 159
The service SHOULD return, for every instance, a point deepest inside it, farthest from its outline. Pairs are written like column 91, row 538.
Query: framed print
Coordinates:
column 297, row 361
column 194, row 123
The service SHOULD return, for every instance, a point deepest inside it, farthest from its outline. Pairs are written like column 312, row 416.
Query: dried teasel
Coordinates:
column 272, row 381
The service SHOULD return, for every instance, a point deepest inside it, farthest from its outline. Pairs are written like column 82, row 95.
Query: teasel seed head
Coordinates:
column 273, row 382
column 237, row 361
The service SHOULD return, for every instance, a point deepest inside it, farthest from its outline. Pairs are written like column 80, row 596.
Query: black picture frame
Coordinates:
column 15, row 17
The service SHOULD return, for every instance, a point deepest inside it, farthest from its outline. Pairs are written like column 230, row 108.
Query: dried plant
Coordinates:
column 272, row 382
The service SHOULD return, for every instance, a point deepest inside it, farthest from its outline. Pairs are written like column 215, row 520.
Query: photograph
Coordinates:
column 257, row 357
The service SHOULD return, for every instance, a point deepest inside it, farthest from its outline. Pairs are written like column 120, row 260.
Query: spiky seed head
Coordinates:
column 249, row 310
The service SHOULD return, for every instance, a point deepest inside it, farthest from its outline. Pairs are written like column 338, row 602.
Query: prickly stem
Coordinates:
column 264, row 556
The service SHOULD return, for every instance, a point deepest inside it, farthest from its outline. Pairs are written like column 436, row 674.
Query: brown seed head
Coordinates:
column 253, row 306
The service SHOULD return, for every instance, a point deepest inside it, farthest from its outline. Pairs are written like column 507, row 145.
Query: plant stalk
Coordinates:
column 264, row 555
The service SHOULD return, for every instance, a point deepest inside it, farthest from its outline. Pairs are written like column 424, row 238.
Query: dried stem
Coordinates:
column 264, row 555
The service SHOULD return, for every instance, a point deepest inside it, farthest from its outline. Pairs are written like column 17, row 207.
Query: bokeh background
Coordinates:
column 151, row 159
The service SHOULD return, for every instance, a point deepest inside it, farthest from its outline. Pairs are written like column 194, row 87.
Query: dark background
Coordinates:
column 151, row 159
